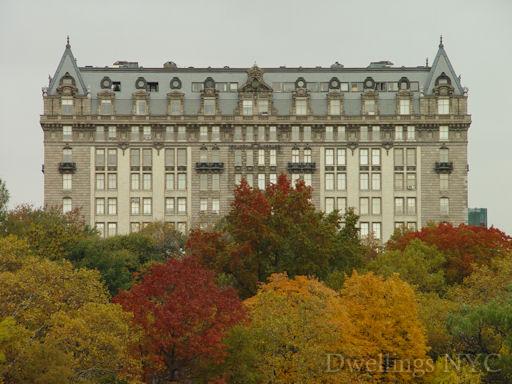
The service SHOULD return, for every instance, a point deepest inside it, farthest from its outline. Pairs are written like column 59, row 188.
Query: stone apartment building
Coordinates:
column 129, row 145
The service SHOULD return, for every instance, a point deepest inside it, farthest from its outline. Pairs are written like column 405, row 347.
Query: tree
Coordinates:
column 184, row 316
column 294, row 325
column 385, row 314
column 419, row 264
column 13, row 253
column 451, row 370
column 4, row 199
column 276, row 230
column 48, row 232
column 464, row 246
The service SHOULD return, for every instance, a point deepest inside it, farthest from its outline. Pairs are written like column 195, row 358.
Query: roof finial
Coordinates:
column 441, row 42
column 67, row 44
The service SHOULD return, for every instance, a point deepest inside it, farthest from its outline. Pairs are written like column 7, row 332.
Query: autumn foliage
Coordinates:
column 463, row 246
column 184, row 316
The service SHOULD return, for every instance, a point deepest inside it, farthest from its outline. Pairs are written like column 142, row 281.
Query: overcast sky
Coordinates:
column 477, row 36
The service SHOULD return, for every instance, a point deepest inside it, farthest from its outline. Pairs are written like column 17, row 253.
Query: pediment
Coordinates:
column 255, row 82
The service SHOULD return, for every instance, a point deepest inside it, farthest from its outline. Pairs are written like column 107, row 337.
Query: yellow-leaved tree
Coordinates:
column 385, row 314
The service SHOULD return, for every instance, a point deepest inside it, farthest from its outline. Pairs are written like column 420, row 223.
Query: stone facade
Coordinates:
column 130, row 145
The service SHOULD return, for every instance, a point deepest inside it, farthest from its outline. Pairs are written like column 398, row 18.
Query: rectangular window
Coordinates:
column 443, row 133
column 363, row 133
column 295, row 133
column 169, row 205
column 295, row 155
column 215, row 182
column 146, row 132
column 112, row 181
column 134, row 227
column 399, row 157
column 135, row 181
column 369, row 106
column 147, row 157
column 328, row 133
column 169, row 133
column 112, row 229
column 135, row 206
column 203, row 133
column 363, row 206
column 376, row 231
column 376, row 206
column 100, row 157
column 146, row 181
column 444, row 155
column 169, row 157
column 341, row 156
column 411, row 133
column 100, row 181
column 100, row 206
column 216, row 133
column 329, row 204
column 215, row 206
column 237, row 136
column 67, row 155
column 238, row 157
column 100, row 227
column 307, row 179
column 273, row 178
column 364, row 229
column 261, row 181
column 363, row 157
column 307, row 155
column 376, row 181
column 342, row 181
column 443, row 106
column 399, row 205
column 411, row 206
column 261, row 157
column 249, row 155
column 342, row 205
column 175, row 107
column 272, row 133
column 106, row 107
column 261, row 133
column 411, row 157
column 135, row 134
column 209, row 106
column 249, row 134
column 405, row 106
column 182, row 133
column 411, row 226
column 335, row 107
column 263, row 107
column 182, row 205
column 182, row 181
column 444, row 204
column 399, row 181
column 301, row 107
column 443, row 181
column 376, row 157
column 247, row 107
column 112, row 157
column 329, row 181
column 67, row 133
column 399, row 133
column 182, row 157
column 306, row 133
column 112, row 206
column 329, row 157
column 152, row 86
column 67, row 179
column 342, row 136
column 376, row 133
column 147, row 206
column 169, row 181
column 140, row 107
column 100, row 134
column 203, row 205
column 363, row 182
column 203, row 182
column 411, row 181
column 67, row 106
column 273, row 157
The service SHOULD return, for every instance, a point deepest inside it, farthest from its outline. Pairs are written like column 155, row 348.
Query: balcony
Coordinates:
column 67, row 167
column 444, row 167
column 203, row 167
column 301, row 167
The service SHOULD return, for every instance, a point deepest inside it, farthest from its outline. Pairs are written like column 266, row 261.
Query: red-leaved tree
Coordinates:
column 463, row 246
column 184, row 316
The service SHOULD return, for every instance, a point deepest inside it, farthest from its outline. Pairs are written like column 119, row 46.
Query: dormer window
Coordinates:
column 116, row 86
column 152, row 87
column 369, row 106
column 209, row 106
column 405, row 105
column 247, row 107
column 67, row 105
column 141, row 107
column 443, row 106
column 301, row 107
column 106, row 107
column 263, row 107
column 335, row 107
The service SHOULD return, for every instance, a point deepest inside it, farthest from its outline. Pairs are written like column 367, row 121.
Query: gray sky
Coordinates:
column 477, row 36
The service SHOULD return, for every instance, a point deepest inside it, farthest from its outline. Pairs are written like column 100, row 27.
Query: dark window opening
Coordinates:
column 116, row 86
column 152, row 87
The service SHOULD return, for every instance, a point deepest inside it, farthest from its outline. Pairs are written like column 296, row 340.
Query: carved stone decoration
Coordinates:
column 255, row 82
column 404, row 84
column 158, row 146
column 300, row 83
column 443, row 86
column 387, row 145
column 369, row 83
column 175, row 83
column 140, row 83
column 352, row 146
column 106, row 83
column 67, row 85
column 123, row 146
column 334, row 83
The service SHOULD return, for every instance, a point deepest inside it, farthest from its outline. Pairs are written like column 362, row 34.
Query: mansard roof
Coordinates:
column 67, row 67
column 442, row 67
